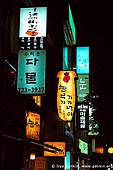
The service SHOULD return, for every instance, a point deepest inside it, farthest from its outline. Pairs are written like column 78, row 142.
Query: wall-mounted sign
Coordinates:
column 33, row 125
column 65, row 58
column 31, row 71
column 32, row 43
column 37, row 100
column 83, row 110
column 66, row 94
column 59, row 145
column 82, row 87
column 82, row 60
column 69, row 28
column 83, row 146
column 72, row 25
column 110, row 150
column 67, row 161
column 33, row 22
column 99, row 150
column 93, row 125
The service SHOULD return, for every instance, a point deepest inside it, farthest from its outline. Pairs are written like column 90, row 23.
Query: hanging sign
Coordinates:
column 31, row 71
column 83, row 110
column 33, row 125
column 82, row 87
column 82, row 60
column 59, row 145
column 66, row 95
column 33, row 22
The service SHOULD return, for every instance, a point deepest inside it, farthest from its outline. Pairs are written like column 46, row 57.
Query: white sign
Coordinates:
column 33, row 22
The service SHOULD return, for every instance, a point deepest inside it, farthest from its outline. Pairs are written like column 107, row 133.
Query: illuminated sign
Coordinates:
column 33, row 125
column 69, row 28
column 99, row 150
column 32, row 30
column 82, row 87
column 83, row 146
column 31, row 71
column 82, row 60
column 93, row 125
column 65, row 59
column 67, row 161
column 32, row 43
column 33, row 22
column 72, row 25
column 110, row 150
column 66, row 95
column 83, row 110
column 37, row 100
column 59, row 145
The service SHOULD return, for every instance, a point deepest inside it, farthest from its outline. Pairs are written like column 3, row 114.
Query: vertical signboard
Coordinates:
column 82, row 60
column 67, row 161
column 83, row 146
column 33, row 125
column 72, row 25
column 65, row 58
column 33, row 22
column 83, row 110
column 31, row 71
column 93, row 125
column 33, row 28
column 82, row 87
column 66, row 95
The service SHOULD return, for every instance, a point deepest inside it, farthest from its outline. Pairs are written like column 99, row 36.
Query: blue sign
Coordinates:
column 31, row 71
column 82, row 60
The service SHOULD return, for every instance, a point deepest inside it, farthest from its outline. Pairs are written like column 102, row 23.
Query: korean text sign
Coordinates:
column 31, row 71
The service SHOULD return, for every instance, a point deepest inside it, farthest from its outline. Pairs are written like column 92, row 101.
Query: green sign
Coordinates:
column 83, row 146
column 31, row 71
column 82, row 87
column 72, row 25
column 93, row 125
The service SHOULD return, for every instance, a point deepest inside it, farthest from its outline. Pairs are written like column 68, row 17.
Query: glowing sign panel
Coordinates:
column 59, row 145
column 82, row 87
column 31, row 71
column 83, row 110
column 33, row 22
column 66, row 95
column 33, row 125
column 83, row 146
column 82, row 60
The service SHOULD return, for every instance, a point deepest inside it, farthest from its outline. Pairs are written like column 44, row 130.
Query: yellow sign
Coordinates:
column 33, row 125
column 66, row 94
column 59, row 145
column 110, row 150
column 37, row 100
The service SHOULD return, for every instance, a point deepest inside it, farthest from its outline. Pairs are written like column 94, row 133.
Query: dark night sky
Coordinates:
column 95, row 28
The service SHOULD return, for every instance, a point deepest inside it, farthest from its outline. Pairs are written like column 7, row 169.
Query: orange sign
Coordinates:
column 99, row 150
column 33, row 125
column 66, row 94
column 59, row 145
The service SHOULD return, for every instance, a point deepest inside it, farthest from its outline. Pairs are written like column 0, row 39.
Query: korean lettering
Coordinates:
column 31, row 78
column 82, row 84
